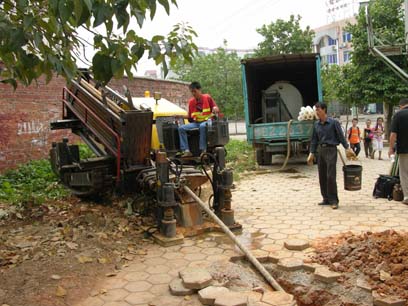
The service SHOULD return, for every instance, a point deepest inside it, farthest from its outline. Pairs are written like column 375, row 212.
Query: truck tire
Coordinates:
column 259, row 156
column 263, row 158
column 267, row 158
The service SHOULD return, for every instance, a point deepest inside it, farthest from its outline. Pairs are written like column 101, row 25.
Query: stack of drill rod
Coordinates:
column 104, row 108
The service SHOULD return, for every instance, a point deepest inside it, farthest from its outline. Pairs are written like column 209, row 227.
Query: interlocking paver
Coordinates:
column 231, row 299
column 379, row 300
column 270, row 216
column 157, row 279
column 138, row 286
column 115, row 295
column 296, row 244
column 325, row 275
column 177, row 288
column 277, row 298
column 290, row 264
column 208, row 295
column 137, row 298
column 195, row 278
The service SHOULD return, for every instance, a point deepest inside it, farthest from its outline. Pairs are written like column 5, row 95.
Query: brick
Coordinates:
column 231, row 299
column 208, row 295
column 177, row 288
column 277, row 298
column 325, row 275
column 195, row 278
column 296, row 244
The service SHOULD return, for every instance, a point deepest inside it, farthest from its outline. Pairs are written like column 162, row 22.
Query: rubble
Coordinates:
column 381, row 259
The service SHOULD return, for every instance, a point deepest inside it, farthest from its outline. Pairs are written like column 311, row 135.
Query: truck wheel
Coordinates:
column 267, row 158
column 259, row 156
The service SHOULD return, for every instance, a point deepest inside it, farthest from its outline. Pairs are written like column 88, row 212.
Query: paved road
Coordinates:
column 271, row 208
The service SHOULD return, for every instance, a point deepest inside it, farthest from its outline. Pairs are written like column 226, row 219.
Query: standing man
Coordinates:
column 399, row 133
column 201, row 108
column 327, row 134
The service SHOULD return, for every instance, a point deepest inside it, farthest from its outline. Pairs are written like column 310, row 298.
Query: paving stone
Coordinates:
column 325, row 275
column 261, row 255
column 208, row 295
column 177, row 288
column 195, row 278
column 252, row 296
column 290, row 264
column 363, row 284
column 138, row 286
column 311, row 266
column 277, row 298
column 296, row 244
column 115, row 295
column 231, row 299
column 139, row 298
column 157, row 279
column 274, row 257
column 379, row 300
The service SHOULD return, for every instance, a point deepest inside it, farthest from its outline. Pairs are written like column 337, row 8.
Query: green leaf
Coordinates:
column 157, row 38
column 78, row 9
column 65, row 8
column 154, row 50
column 12, row 82
column 140, row 17
column 101, row 65
column 137, row 50
column 88, row 4
column 152, row 7
column 166, row 5
column 17, row 39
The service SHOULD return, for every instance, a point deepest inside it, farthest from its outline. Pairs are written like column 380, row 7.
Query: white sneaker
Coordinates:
column 405, row 201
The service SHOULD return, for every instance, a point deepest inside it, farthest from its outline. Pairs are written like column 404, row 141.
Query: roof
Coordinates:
column 281, row 58
column 161, row 109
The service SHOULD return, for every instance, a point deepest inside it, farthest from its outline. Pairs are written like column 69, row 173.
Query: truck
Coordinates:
column 275, row 88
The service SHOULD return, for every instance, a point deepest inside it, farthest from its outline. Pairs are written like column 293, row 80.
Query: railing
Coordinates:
column 116, row 151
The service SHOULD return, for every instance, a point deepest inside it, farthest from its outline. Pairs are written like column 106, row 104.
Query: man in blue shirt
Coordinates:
column 399, row 135
column 327, row 135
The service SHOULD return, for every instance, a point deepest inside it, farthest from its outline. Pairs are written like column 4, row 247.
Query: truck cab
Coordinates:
column 275, row 88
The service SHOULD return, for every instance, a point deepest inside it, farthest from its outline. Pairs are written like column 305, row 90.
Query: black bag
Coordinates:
column 384, row 186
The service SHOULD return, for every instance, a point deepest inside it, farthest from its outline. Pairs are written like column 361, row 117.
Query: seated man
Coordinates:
column 201, row 108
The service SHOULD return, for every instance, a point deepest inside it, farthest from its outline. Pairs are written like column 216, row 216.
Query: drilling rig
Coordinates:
column 135, row 141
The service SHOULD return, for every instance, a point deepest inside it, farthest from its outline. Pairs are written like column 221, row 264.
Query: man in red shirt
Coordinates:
column 201, row 109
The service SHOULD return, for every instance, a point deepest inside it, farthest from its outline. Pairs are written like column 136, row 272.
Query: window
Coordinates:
column 346, row 56
column 332, row 59
column 322, row 43
column 346, row 36
column 332, row 42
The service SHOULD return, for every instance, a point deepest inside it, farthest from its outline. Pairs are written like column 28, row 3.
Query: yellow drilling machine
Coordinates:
column 135, row 141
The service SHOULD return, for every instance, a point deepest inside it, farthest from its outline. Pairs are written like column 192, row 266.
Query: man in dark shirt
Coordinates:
column 399, row 133
column 327, row 134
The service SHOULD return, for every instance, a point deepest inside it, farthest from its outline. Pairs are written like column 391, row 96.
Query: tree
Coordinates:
column 377, row 81
column 283, row 37
column 41, row 37
column 220, row 75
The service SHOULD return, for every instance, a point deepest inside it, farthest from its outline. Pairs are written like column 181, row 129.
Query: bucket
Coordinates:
column 352, row 177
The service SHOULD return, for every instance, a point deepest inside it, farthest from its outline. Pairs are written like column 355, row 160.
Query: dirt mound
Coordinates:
column 381, row 258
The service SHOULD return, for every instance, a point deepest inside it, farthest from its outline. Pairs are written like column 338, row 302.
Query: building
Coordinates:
column 333, row 42
column 240, row 52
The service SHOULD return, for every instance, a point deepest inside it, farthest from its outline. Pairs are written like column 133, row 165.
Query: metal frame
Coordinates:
column 372, row 39
column 88, row 112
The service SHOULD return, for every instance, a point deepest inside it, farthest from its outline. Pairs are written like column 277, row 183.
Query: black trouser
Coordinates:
column 327, row 161
column 356, row 148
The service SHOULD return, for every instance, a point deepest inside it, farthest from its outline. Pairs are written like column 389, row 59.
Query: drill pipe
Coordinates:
column 247, row 253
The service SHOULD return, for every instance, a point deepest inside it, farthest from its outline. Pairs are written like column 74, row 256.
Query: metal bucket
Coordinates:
column 352, row 177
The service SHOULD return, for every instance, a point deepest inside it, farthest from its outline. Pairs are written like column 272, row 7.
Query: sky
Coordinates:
column 233, row 20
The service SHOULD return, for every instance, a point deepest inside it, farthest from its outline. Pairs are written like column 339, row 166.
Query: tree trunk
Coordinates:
column 387, row 119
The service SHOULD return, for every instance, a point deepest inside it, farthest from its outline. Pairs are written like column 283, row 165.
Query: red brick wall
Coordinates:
column 25, row 115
